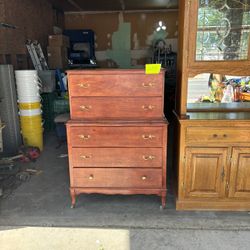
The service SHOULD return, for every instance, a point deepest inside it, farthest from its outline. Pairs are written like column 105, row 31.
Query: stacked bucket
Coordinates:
column 29, row 102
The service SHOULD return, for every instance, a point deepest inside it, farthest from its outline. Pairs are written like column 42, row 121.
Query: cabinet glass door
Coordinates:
column 223, row 29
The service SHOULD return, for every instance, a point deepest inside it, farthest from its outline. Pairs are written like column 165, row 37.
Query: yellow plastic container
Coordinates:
column 34, row 139
column 30, row 124
column 32, row 129
column 31, row 119
column 29, row 105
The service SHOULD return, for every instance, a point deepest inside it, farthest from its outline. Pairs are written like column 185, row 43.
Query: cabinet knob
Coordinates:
column 144, row 177
column 215, row 135
column 84, row 137
column 148, row 137
column 85, row 107
column 148, row 157
column 225, row 136
column 91, row 177
column 148, row 85
column 149, row 107
column 83, row 85
column 85, row 156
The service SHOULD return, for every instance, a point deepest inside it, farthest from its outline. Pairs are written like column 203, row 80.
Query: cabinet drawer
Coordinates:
column 116, row 136
column 116, row 85
column 210, row 134
column 116, row 107
column 119, row 178
column 117, row 157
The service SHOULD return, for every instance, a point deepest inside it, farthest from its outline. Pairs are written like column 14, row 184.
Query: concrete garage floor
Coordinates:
column 44, row 201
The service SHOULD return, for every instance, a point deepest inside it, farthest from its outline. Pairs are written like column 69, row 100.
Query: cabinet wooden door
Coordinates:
column 205, row 172
column 239, row 183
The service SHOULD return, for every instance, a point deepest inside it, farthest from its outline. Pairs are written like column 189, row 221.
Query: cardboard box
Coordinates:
column 57, row 57
column 59, row 40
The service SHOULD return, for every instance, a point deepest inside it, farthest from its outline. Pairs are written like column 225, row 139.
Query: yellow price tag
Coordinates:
column 152, row 69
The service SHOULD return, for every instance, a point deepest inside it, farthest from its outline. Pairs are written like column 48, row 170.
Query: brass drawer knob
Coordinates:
column 91, row 177
column 148, row 137
column 148, row 85
column 144, row 177
column 85, row 107
column 149, row 107
column 83, row 85
column 148, row 157
column 85, row 156
column 84, row 137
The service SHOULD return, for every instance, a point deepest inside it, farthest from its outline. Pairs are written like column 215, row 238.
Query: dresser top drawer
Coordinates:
column 116, row 85
column 117, row 178
column 217, row 135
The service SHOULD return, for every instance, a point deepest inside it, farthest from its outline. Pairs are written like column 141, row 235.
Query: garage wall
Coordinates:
column 139, row 26
column 34, row 19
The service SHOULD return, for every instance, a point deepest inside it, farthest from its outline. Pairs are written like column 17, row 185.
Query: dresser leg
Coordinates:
column 73, row 198
column 163, row 201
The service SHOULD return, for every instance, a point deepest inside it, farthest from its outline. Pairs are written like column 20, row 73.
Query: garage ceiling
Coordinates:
column 113, row 5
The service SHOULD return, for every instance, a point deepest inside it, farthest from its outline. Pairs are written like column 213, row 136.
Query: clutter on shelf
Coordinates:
column 225, row 89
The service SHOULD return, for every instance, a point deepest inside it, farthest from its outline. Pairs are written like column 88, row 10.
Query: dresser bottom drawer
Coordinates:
column 117, row 178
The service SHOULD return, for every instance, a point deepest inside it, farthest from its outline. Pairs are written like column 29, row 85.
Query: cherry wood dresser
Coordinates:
column 117, row 135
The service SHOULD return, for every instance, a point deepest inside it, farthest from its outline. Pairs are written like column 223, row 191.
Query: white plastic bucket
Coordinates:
column 27, row 78
column 29, row 98
column 28, row 92
column 25, row 99
column 26, row 72
column 30, row 112
column 20, row 77
column 27, row 85
column 27, row 82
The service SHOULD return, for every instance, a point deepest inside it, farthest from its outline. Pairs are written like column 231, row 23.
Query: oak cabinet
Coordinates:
column 240, row 173
column 205, row 172
column 213, row 173
column 213, row 135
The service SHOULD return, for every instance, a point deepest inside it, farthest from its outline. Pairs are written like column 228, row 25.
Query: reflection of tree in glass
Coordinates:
column 223, row 29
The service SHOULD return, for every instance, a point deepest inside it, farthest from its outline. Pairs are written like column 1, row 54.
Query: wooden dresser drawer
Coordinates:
column 220, row 134
column 116, row 85
column 117, row 157
column 116, row 107
column 117, row 178
column 116, row 136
